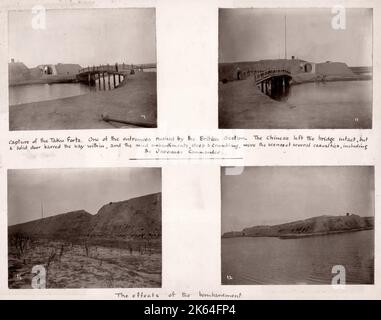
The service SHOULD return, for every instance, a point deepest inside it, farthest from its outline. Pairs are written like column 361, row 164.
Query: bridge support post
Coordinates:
column 99, row 80
column 104, row 81
column 89, row 79
column 108, row 80
column 114, row 80
column 272, row 86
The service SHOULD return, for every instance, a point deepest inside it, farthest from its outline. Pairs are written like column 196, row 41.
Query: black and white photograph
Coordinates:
column 184, row 151
column 84, row 228
column 295, row 68
column 82, row 69
column 297, row 225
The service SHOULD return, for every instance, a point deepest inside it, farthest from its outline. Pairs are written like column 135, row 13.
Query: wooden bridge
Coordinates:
column 114, row 74
column 272, row 82
column 261, row 76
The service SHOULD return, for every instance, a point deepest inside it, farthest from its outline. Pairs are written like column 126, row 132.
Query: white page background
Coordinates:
column 187, row 77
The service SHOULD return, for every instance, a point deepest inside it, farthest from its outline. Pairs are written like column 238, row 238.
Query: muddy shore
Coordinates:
column 134, row 100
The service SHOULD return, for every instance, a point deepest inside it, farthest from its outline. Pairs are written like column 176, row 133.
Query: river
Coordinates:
column 42, row 92
column 270, row 260
column 335, row 93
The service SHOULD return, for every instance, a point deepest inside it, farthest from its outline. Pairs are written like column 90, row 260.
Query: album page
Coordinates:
column 190, row 149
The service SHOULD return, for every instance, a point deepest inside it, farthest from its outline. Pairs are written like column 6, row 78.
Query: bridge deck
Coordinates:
column 111, row 69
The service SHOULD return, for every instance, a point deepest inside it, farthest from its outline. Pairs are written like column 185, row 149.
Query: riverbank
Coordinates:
column 317, row 234
column 311, row 227
column 50, row 80
column 238, row 234
column 134, row 100
column 243, row 106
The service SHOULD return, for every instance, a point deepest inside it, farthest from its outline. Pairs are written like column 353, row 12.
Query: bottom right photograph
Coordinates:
column 297, row 225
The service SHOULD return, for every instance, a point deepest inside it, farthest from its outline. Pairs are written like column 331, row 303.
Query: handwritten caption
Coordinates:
column 174, row 294
column 207, row 145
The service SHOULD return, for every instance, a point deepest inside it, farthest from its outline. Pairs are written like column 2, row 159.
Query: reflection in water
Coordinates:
column 280, row 93
column 265, row 260
column 109, row 82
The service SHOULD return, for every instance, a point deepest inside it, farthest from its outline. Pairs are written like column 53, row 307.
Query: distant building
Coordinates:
column 66, row 69
column 18, row 72
column 60, row 69
column 307, row 67
column 334, row 68
column 47, row 69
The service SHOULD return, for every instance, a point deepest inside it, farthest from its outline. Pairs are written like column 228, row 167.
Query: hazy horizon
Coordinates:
column 258, row 34
column 278, row 194
column 84, row 36
column 64, row 190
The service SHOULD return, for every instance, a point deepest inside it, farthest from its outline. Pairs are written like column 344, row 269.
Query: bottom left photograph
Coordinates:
column 84, row 228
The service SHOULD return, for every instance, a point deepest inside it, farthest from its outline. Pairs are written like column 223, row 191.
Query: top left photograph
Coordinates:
column 82, row 69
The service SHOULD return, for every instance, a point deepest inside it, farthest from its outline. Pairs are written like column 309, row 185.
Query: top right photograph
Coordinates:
column 295, row 68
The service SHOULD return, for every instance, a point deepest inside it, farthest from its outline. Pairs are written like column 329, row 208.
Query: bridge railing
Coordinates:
column 118, row 67
column 262, row 74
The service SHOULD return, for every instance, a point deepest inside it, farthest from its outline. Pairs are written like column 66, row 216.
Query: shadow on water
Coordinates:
column 280, row 94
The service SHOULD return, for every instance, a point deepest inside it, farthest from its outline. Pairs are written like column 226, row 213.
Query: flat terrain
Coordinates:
column 75, row 267
column 134, row 100
column 243, row 106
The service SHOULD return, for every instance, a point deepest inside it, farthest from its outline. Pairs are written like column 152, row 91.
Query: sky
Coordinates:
column 255, row 34
column 64, row 190
column 272, row 195
column 84, row 36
